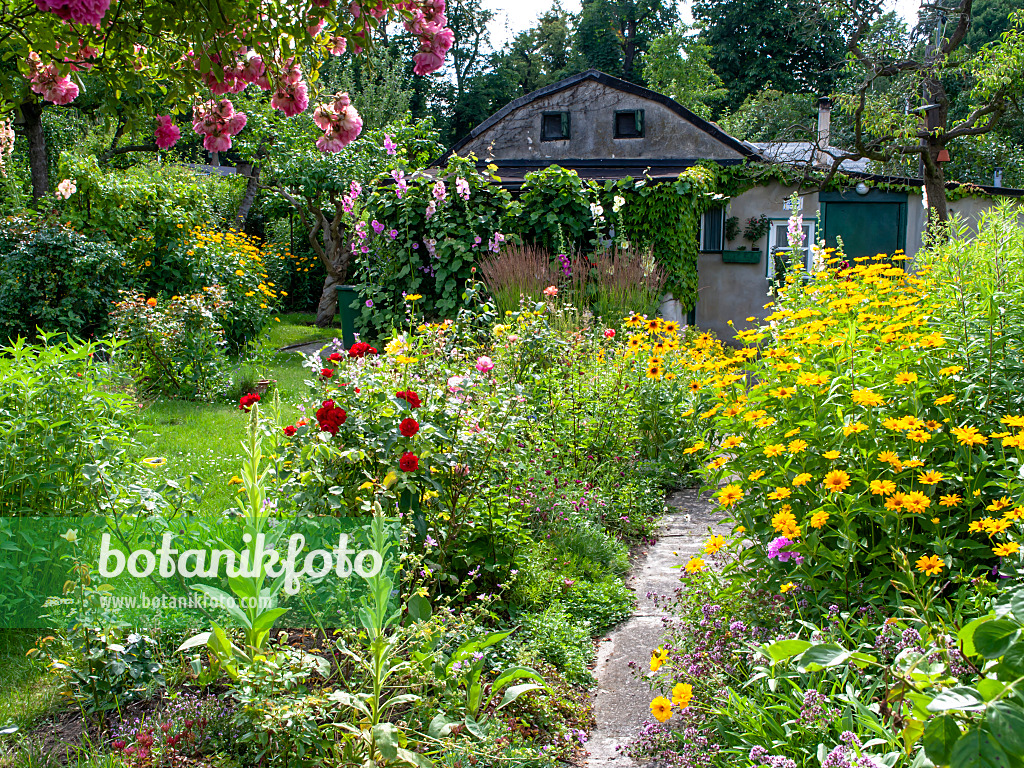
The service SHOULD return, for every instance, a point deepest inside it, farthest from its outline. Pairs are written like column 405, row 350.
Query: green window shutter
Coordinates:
column 638, row 121
column 565, row 125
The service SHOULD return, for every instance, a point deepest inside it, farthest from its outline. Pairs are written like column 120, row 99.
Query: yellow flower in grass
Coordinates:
column 699, row 445
column 929, row 565
column 1004, row 550
column 888, row 457
column 756, row 475
column 992, row 527
column 1017, row 422
column 682, row 693
column 831, row 455
column 729, row 495
column 694, row 564
column 732, row 441
column 819, row 518
column 999, row 504
column 714, row 544
column 655, row 370
column 931, row 477
column 836, row 481
column 951, row 370
column 783, row 519
column 413, row 297
column 236, row 480
column 802, row 479
column 1014, row 441
column 811, row 379
column 634, row 342
column 154, row 461
column 661, row 708
column 780, row 493
column 783, row 393
column 917, row 502
column 658, row 659
column 950, row 500
column 774, row 449
column 905, row 378
column 945, row 399
column 797, row 446
column 854, row 428
column 786, row 587
column 867, row 398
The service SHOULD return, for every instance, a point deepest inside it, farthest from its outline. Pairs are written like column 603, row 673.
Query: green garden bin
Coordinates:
column 347, row 312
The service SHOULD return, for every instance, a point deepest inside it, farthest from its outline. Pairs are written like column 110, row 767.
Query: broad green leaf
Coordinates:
column 821, row 656
column 990, row 689
column 513, row 693
column 959, row 698
column 994, row 638
column 419, row 608
column 1005, row 721
column 785, row 649
column 977, row 749
column 195, row 641
column 514, row 673
column 940, row 735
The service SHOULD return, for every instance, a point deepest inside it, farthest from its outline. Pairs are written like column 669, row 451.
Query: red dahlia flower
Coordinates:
column 409, row 427
column 410, row 397
column 409, row 462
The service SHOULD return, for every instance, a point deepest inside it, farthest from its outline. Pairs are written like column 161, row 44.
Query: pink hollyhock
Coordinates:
column 166, row 133
column 462, row 188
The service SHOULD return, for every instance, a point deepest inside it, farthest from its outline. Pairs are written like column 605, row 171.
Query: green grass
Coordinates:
column 298, row 328
column 26, row 691
column 205, row 438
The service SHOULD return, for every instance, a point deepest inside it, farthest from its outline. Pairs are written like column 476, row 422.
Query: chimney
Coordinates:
column 824, row 126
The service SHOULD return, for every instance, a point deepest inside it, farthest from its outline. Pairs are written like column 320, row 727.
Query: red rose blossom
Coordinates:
column 290, row 430
column 327, row 372
column 334, row 356
column 330, row 416
column 246, row 402
column 409, row 462
column 409, row 427
column 410, row 397
column 361, row 349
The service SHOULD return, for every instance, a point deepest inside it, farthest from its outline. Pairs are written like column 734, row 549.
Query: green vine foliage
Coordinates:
column 554, row 209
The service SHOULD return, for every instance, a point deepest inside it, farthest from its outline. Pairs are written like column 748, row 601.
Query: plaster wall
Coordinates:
column 592, row 106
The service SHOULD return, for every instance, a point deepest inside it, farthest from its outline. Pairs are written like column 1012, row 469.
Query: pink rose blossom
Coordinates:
column 340, row 123
column 484, row 364
column 89, row 12
column 166, row 133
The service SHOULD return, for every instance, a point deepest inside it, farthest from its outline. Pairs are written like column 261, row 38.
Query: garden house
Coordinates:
column 604, row 128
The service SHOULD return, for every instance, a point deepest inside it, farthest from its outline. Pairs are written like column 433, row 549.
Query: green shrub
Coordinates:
column 602, row 604
column 61, row 411
column 55, row 279
column 560, row 640
column 174, row 348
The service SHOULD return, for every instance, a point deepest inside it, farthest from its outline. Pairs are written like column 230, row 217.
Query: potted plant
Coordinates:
column 757, row 227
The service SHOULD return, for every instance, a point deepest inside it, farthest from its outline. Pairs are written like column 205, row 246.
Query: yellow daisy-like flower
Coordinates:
column 951, row 370
column 236, row 480
column 854, row 428
column 950, row 500
column 756, row 475
column 888, row 457
column 658, row 659
column 694, row 564
column 780, row 493
column 729, row 495
column 969, row 436
column 802, row 479
column 661, row 708
column 905, row 378
column 831, row 455
column 836, row 481
column 867, row 398
column 714, row 544
column 1017, row 422
column 413, row 297
column 786, row 587
column 931, row 477
column 999, row 504
column 929, row 565
column 732, row 441
column 818, row 519
column 797, row 446
column 1003, row 550
column 945, row 399
column 775, row 449
column 682, row 693
column 882, row 487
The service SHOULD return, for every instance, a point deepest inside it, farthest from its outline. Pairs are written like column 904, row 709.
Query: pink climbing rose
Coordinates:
column 89, row 12
column 339, row 121
column 218, row 122
column 166, row 133
column 48, row 82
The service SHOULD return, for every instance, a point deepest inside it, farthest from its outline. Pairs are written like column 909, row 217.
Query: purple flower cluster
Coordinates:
column 815, row 711
column 777, row 550
column 762, row 758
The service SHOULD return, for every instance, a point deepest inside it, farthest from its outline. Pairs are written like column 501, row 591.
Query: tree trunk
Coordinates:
column 328, row 306
column 629, row 51
column 37, row 160
column 251, row 188
column 935, row 186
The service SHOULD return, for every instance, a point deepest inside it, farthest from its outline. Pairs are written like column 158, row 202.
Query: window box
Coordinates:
column 741, row 257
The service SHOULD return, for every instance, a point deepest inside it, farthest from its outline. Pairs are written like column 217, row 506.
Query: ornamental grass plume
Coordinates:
column 624, row 281
column 516, row 272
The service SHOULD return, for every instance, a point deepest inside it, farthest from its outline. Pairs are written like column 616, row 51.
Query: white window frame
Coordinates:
column 808, row 225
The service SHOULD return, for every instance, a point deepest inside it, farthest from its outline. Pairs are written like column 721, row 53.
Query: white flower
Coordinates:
column 617, row 203
column 70, row 536
column 596, row 211
column 66, row 189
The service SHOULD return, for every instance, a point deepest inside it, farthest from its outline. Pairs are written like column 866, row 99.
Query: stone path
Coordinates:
column 308, row 348
column 623, row 701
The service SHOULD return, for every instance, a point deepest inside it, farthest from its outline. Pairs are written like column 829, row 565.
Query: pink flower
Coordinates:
column 338, row 44
column 389, row 146
column 430, row 210
column 218, row 122
column 550, row 291
column 46, row 80
column 292, row 94
column 317, row 28
column 166, row 133
column 455, row 383
column 340, row 123
column 609, row 333
column 484, row 364
column 66, row 188
column 439, row 192
column 79, row 11
column 462, row 188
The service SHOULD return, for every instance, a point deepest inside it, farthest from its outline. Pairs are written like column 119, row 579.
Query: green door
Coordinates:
column 874, row 223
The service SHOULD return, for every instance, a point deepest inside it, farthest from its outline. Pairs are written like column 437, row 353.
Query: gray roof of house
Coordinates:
column 799, row 153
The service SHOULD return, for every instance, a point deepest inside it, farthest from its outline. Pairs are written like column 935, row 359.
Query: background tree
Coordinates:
column 676, row 65
column 900, row 106
column 786, row 45
column 613, row 35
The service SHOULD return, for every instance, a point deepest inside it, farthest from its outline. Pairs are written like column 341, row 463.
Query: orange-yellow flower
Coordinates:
column 802, row 479
column 931, row 477
column 969, row 436
column 867, row 397
column 882, row 487
column 694, row 564
column 774, row 449
column 661, row 708
column 1003, row 550
column 681, row 695
column 730, row 495
column 819, row 518
column 714, row 544
column 837, row 481
column 658, row 658
column 780, row 493
column 929, row 565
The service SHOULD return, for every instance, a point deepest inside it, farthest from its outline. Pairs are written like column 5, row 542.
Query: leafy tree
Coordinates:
column 613, row 35
column 989, row 20
column 771, row 115
column 890, row 79
column 785, row 45
column 538, row 56
column 677, row 65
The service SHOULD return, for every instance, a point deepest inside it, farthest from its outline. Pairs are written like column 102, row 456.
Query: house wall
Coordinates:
column 592, row 106
column 968, row 208
column 737, row 291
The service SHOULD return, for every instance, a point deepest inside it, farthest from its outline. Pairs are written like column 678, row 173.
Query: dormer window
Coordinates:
column 629, row 124
column 554, row 126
